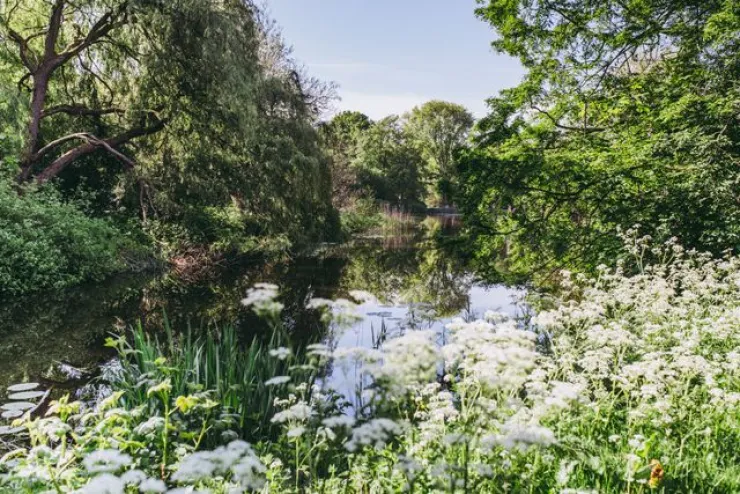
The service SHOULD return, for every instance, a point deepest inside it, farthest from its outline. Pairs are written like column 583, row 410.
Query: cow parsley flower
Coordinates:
column 299, row 412
column 375, row 433
column 105, row 483
column 261, row 298
column 237, row 458
column 106, row 460
column 280, row 353
column 277, row 380
column 152, row 485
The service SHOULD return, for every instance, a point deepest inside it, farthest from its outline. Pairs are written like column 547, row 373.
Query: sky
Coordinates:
column 388, row 56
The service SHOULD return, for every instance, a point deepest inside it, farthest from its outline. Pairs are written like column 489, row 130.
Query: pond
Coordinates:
column 420, row 280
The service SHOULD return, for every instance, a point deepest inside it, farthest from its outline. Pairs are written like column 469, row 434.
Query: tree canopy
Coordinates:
column 388, row 165
column 627, row 115
column 341, row 138
column 439, row 129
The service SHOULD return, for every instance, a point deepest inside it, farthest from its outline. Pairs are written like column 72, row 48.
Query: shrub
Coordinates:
column 46, row 243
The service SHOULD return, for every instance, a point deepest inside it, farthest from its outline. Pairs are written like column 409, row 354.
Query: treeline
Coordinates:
column 628, row 115
column 406, row 161
column 187, row 130
column 158, row 125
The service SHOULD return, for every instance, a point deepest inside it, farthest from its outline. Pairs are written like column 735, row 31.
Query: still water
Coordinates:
column 419, row 278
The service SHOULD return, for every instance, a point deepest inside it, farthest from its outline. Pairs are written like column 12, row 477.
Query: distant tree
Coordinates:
column 340, row 137
column 388, row 165
column 439, row 129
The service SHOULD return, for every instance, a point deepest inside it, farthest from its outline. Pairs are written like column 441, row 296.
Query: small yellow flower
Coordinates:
column 186, row 403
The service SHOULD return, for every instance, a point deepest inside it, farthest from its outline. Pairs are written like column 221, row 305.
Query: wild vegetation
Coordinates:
column 405, row 163
column 148, row 112
column 628, row 383
column 607, row 181
column 46, row 243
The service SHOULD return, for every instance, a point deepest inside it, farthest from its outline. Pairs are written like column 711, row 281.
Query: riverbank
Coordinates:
column 71, row 325
column 623, row 385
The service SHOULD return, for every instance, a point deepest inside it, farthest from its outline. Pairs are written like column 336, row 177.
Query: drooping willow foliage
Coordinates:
column 190, row 116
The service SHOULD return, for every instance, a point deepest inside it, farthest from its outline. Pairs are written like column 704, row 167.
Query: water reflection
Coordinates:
column 382, row 322
column 418, row 277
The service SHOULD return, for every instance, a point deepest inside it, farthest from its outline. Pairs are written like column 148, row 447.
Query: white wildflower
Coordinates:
column 151, row 426
column 520, row 436
column 105, row 483
column 238, row 458
column 299, row 412
column 295, row 432
column 133, row 477
column 375, row 433
column 152, row 485
column 362, row 296
column 106, row 460
column 262, row 299
column 319, row 303
column 280, row 353
column 339, row 421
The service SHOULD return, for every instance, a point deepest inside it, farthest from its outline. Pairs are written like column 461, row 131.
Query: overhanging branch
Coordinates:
column 91, row 144
column 557, row 123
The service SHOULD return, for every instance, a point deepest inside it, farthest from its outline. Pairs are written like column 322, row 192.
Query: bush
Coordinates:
column 364, row 215
column 46, row 243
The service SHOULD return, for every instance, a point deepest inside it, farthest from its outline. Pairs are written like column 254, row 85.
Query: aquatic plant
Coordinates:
column 244, row 378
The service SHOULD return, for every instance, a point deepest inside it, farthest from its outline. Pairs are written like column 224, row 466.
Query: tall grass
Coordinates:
column 215, row 360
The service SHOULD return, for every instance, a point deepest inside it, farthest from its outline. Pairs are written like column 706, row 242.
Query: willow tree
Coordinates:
column 61, row 47
column 197, row 101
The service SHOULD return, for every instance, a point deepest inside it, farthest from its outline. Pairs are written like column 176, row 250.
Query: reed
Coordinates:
column 233, row 370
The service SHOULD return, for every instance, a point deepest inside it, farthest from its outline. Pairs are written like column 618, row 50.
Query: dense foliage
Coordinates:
column 46, row 243
column 404, row 163
column 439, row 130
column 341, row 137
column 627, row 384
column 628, row 115
column 191, row 117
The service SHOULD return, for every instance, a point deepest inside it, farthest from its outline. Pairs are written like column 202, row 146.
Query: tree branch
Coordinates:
column 56, row 143
column 92, row 144
column 25, row 51
column 79, row 110
column 557, row 123
column 104, row 25
column 55, row 25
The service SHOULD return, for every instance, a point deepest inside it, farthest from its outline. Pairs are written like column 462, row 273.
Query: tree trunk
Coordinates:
column 38, row 100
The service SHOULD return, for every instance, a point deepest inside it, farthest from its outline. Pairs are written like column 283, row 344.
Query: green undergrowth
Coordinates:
column 47, row 243
column 215, row 360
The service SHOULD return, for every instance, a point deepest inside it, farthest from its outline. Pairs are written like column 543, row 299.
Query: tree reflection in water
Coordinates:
column 418, row 277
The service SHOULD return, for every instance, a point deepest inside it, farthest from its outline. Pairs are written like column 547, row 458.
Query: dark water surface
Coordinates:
column 420, row 280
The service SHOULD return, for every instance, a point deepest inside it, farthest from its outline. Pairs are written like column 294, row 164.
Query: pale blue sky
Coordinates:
column 390, row 55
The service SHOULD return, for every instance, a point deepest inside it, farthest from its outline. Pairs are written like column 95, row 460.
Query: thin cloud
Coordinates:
column 379, row 105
